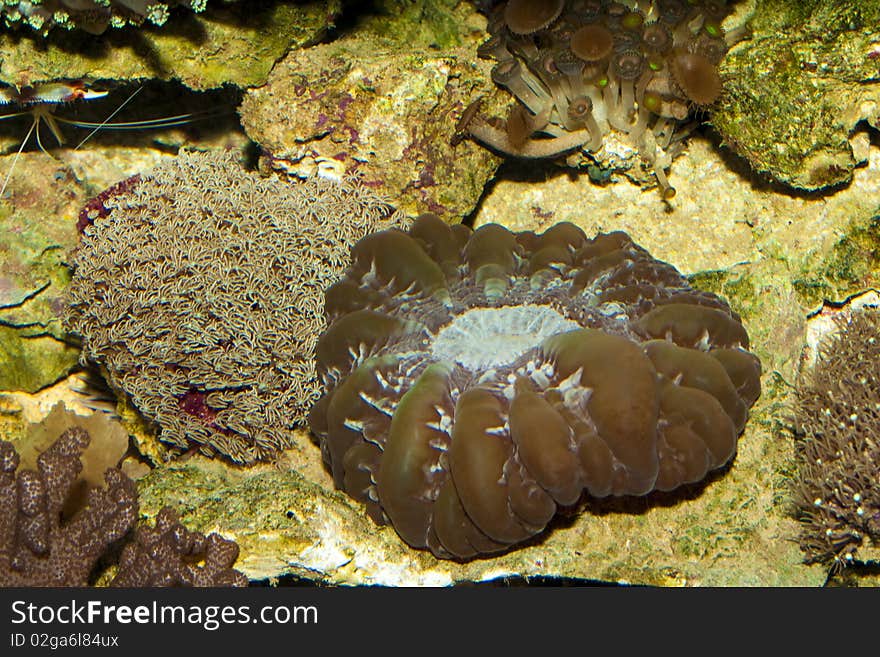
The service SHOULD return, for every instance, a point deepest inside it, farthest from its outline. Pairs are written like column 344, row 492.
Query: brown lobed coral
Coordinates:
column 171, row 555
column 477, row 381
column 36, row 547
column 581, row 69
column 199, row 289
column 837, row 415
column 49, row 537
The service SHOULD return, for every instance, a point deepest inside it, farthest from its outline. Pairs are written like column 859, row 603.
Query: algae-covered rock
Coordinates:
column 364, row 104
column 435, row 23
column 38, row 224
column 851, row 265
column 795, row 91
column 236, row 43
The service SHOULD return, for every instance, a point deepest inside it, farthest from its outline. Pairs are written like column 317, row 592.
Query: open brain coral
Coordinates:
column 838, row 414
column 478, row 381
column 92, row 16
column 199, row 289
column 581, row 69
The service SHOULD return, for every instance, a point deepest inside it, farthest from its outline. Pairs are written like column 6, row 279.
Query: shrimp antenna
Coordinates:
column 147, row 124
column 112, row 114
column 15, row 159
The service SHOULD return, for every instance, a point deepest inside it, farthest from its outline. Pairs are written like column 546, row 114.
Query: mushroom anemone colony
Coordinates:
column 580, row 69
column 478, row 380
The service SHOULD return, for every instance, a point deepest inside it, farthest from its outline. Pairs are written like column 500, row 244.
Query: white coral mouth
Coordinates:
column 491, row 337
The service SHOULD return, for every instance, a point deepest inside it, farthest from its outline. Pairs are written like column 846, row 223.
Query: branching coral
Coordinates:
column 478, row 381
column 171, row 555
column 92, row 16
column 587, row 67
column 36, row 547
column 199, row 289
column 50, row 538
column 838, row 417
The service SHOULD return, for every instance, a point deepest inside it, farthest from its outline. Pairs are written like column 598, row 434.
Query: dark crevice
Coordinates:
column 203, row 115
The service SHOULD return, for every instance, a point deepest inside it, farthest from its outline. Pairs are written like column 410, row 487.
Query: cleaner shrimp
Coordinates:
column 42, row 101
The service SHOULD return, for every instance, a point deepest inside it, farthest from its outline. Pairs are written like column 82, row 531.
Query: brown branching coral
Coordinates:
column 199, row 290
column 49, row 538
column 838, row 417
column 477, row 381
column 171, row 555
column 37, row 548
column 590, row 67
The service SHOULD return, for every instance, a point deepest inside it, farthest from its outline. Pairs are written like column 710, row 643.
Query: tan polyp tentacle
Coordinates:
column 642, row 82
column 553, row 80
column 593, row 126
column 637, row 131
column 660, row 131
column 539, row 121
column 513, row 76
column 643, row 113
column 533, row 148
column 581, row 111
column 666, row 188
column 611, row 100
column 576, row 84
column 627, row 99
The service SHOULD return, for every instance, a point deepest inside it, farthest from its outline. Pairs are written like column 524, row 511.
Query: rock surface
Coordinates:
column 225, row 44
column 38, row 222
column 365, row 104
column 796, row 90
